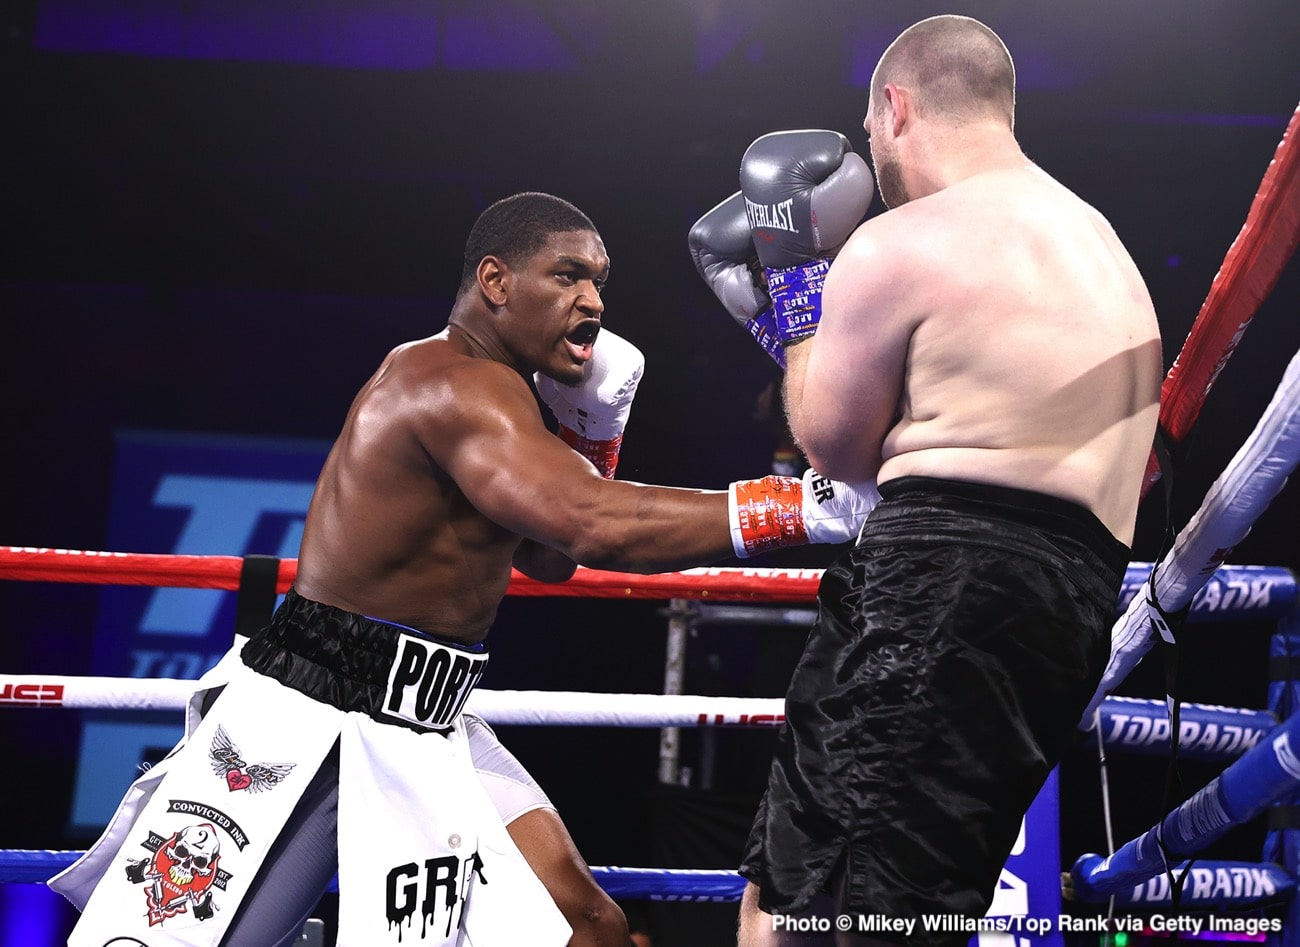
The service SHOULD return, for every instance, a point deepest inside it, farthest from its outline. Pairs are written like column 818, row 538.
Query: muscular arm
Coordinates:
column 844, row 385
column 543, row 563
column 514, row 471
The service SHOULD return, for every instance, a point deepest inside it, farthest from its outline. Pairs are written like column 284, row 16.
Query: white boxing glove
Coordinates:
column 775, row 512
column 593, row 413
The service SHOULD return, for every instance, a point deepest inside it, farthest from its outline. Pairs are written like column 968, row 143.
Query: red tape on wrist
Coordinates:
column 770, row 513
column 603, row 454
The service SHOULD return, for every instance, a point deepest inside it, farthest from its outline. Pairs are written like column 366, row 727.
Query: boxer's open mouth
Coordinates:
column 585, row 333
column 581, row 338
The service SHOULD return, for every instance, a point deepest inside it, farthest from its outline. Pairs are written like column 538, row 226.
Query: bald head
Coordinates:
column 957, row 69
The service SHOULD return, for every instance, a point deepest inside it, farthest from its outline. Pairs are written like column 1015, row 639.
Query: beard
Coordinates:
column 889, row 175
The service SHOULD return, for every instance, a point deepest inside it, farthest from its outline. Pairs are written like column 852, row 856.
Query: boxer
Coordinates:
column 339, row 738
column 987, row 351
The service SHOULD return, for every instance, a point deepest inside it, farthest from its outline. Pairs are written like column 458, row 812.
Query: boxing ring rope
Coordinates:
column 39, row 564
column 1128, row 724
column 34, row 866
column 1266, row 773
column 1231, row 591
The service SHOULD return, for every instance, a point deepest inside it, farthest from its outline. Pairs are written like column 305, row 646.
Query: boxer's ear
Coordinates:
column 492, row 279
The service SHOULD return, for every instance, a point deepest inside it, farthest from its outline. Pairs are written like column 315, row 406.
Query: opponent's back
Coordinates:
column 389, row 534
column 1030, row 350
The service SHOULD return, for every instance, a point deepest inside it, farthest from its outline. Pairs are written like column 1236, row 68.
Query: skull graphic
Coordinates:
column 190, row 857
column 180, row 873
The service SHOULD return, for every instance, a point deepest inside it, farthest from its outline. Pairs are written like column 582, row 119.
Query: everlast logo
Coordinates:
column 449, row 875
column 429, row 682
column 772, row 216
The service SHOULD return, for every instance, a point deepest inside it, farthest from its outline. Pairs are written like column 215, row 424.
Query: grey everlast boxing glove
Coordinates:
column 805, row 192
column 722, row 249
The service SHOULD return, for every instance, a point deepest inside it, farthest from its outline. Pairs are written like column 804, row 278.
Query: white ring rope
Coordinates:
column 1127, row 724
column 1254, row 476
column 506, row 707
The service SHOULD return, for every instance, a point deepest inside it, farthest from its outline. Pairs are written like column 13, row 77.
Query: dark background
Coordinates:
column 218, row 218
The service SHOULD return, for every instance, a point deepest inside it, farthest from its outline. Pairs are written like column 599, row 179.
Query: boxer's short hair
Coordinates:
column 516, row 227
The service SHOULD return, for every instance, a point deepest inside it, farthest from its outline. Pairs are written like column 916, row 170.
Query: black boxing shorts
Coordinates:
column 956, row 646
column 390, row 672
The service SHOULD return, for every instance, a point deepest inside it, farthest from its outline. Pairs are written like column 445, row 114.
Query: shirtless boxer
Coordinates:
column 444, row 476
column 987, row 349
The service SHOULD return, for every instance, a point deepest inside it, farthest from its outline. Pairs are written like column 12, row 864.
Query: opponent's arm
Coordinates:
column 844, row 387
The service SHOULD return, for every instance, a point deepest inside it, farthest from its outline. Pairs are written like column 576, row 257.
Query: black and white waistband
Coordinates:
column 389, row 672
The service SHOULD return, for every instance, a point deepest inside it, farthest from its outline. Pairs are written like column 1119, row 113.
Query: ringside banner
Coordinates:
column 188, row 494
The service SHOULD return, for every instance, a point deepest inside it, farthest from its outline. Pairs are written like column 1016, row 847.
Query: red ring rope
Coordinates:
column 222, row 572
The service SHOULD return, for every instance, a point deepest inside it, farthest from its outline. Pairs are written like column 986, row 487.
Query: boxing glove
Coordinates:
column 805, row 192
column 722, row 249
column 593, row 413
column 775, row 512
